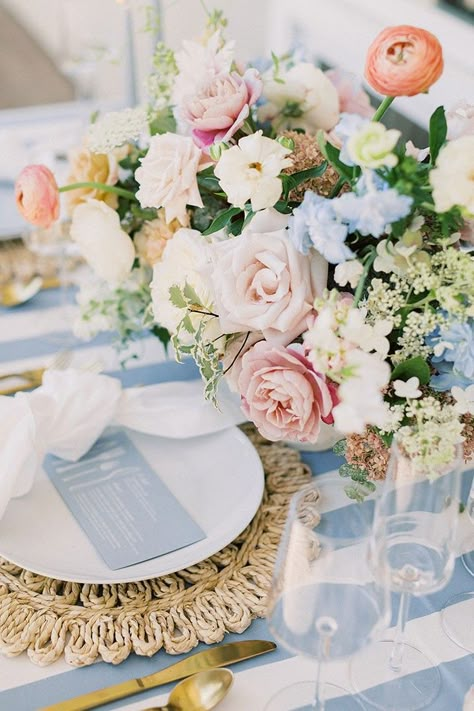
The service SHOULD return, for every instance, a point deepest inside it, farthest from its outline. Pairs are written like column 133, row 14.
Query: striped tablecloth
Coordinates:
column 27, row 339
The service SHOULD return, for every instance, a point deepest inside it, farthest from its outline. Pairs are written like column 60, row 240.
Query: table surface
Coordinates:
column 28, row 338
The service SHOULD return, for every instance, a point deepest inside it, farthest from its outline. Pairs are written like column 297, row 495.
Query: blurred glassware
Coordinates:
column 413, row 545
column 457, row 620
column 324, row 602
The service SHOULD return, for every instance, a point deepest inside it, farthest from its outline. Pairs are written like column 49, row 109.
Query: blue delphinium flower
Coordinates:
column 370, row 214
column 315, row 224
column 347, row 126
column 453, row 346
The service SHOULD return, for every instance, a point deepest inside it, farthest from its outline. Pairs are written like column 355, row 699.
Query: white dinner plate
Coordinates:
column 218, row 479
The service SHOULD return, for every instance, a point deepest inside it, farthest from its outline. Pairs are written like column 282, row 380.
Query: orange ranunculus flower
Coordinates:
column 37, row 195
column 403, row 61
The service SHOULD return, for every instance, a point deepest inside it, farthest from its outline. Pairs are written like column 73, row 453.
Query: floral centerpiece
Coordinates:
column 269, row 223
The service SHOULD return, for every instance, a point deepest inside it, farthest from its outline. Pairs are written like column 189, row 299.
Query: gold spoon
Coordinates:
column 14, row 293
column 200, row 692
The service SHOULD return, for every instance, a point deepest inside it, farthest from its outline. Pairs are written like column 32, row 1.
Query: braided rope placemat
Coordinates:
column 49, row 618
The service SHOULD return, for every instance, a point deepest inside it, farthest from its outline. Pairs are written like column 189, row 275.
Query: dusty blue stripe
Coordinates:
column 46, row 299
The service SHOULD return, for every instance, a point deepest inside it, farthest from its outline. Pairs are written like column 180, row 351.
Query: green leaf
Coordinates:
column 221, row 220
column 340, row 447
column 290, row 182
column 412, row 368
column 163, row 122
column 177, row 298
column 191, row 296
column 163, row 335
column 358, row 492
column 331, row 153
column 438, row 132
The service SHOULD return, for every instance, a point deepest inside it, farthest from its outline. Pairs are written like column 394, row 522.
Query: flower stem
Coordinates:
column 100, row 186
column 382, row 108
column 337, row 188
column 363, row 277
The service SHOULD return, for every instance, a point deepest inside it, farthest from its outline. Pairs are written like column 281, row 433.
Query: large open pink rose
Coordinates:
column 282, row 394
column 220, row 108
column 262, row 283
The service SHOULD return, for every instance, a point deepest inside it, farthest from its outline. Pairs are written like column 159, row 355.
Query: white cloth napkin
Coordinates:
column 69, row 412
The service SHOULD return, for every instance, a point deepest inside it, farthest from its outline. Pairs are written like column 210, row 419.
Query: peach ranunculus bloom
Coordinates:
column 151, row 239
column 86, row 166
column 262, row 283
column 352, row 97
column 167, row 176
column 220, row 108
column 37, row 195
column 403, row 61
column 282, row 394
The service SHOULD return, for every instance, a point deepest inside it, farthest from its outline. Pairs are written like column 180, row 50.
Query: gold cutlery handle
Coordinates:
column 97, row 698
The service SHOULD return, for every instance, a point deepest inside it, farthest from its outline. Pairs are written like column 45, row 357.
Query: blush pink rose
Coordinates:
column 37, row 195
column 282, row 394
column 403, row 61
column 262, row 283
column 220, row 108
column 352, row 98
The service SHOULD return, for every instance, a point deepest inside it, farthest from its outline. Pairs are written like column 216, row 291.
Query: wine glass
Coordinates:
column 324, row 602
column 413, row 542
column 454, row 614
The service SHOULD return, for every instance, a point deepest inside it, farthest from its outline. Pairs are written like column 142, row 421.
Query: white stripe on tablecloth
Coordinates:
column 149, row 349
column 15, row 325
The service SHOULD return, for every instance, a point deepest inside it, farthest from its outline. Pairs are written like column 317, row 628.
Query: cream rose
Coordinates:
column 303, row 97
column 108, row 250
column 262, row 283
column 184, row 260
column 150, row 241
column 453, row 177
column 91, row 167
column 167, row 176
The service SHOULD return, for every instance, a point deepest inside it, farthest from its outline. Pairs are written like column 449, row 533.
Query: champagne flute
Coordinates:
column 413, row 542
column 324, row 602
column 455, row 615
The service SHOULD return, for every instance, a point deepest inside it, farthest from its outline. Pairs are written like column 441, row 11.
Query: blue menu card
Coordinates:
column 120, row 502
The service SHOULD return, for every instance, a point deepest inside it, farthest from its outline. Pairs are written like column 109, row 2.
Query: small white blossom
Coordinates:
column 348, row 272
column 116, row 128
column 464, row 399
column 372, row 146
column 408, row 389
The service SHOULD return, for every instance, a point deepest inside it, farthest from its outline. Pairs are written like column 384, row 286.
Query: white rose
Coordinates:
column 262, row 283
column 460, row 119
column 184, row 260
column 250, row 170
column 372, row 146
column 107, row 249
column 167, row 176
column 348, row 273
column 453, row 177
column 303, row 98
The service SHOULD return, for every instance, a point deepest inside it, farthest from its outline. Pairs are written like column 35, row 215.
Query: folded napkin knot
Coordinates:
column 69, row 412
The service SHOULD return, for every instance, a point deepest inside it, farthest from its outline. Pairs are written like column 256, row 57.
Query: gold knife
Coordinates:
column 209, row 659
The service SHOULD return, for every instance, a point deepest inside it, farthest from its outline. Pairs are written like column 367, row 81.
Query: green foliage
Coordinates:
column 163, row 122
column 222, row 220
column 190, row 338
column 362, row 486
column 290, row 182
column 411, row 368
column 340, row 448
column 331, row 153
column 438, row 132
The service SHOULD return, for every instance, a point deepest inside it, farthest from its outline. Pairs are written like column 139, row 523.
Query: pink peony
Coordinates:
column 460, row 118
column 37, row 195
column 282, row 394
column 403, row 61
column 352, row 98
column 220, row 108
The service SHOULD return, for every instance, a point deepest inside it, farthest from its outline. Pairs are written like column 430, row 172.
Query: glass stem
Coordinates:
column 319, row 703
column 396, row 655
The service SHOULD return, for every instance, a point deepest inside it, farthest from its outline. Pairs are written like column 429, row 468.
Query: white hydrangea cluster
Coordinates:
column 116, row 128
column 418, row 325
column 432, row 440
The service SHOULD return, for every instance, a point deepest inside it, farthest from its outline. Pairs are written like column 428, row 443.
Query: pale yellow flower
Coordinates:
column 150, row 241
column 92, row 167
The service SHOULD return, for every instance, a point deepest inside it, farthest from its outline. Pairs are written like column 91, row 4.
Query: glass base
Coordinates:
column 300, row 697
column 468, row 561
column 455, row 620
column 381, row 688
